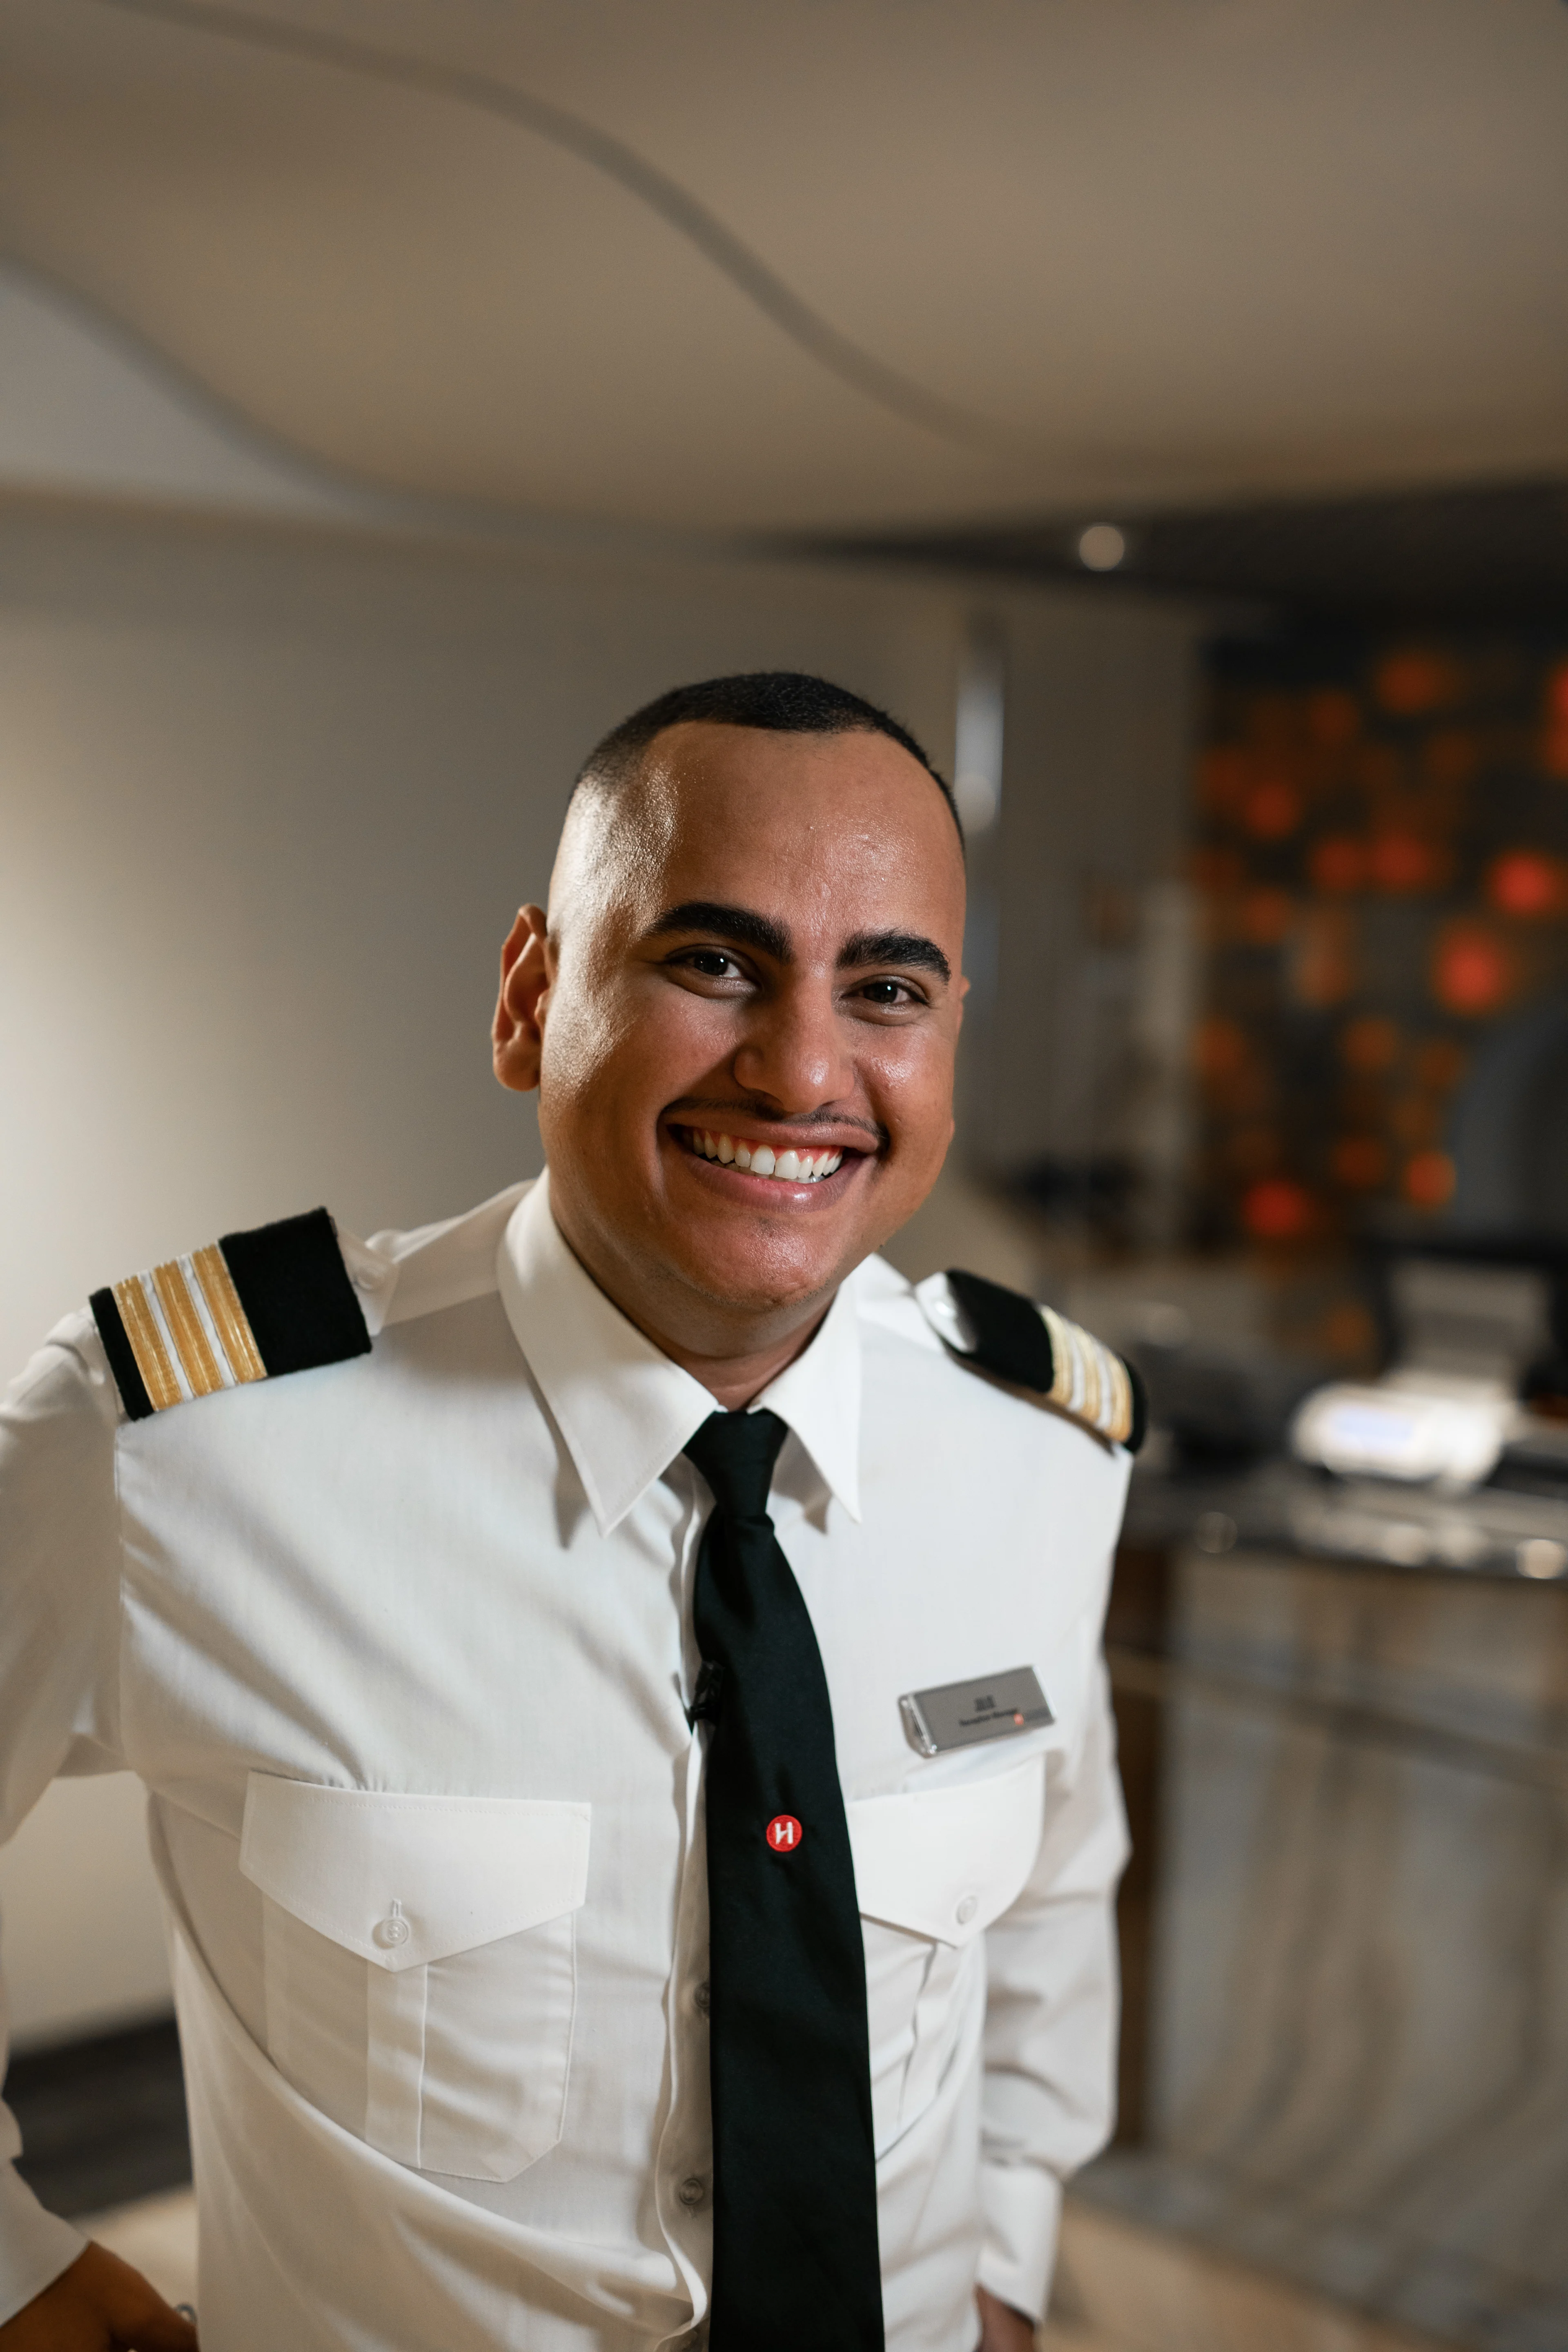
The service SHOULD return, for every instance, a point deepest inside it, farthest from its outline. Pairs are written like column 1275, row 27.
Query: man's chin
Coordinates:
column 761, row 1280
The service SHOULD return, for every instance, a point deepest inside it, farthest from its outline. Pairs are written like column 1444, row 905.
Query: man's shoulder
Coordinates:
column 289, row 1297
column 402, row 1275
column 980, row 1327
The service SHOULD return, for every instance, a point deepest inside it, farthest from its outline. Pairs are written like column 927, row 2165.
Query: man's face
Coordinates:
column 755, row 956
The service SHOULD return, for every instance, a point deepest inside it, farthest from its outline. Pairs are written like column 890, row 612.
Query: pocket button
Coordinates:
column 966, row 1910
column 392, row 1931
column 692, row 2191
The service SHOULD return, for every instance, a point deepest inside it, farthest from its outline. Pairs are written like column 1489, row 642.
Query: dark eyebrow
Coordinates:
column 894, row 947
column 742, row 924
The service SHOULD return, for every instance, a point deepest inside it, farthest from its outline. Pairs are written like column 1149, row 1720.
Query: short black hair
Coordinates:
column 777, row 701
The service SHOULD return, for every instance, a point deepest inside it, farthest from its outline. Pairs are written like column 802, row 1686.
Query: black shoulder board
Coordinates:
column 1035, row 1348
column 245, row 1308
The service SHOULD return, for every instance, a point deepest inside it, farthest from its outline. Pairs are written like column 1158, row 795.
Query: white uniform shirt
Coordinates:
column 402, row 1647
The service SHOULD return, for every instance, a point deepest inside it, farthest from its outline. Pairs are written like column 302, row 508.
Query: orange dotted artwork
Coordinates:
column 1272, row 810
column 1224, row 775
column 1380, row 865
column 1334, row 717
column 1413, row 681
column 1554, row 741
column 1472, row 969
column 1406, row 862
column 1440, row 1062
column 1528, row 884
column 1264, row 917
column 1428, row 1180
column 1277, row 1211
column 1337, row 864
column 1219, row 1048
column 1321, row 969
column 1370, row 1042
column 1360, row 1163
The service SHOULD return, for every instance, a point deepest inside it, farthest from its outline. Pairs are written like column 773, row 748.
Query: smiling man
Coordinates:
column 616, row 1675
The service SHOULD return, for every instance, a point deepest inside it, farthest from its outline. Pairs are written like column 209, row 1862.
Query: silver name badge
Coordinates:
column 960, row 1715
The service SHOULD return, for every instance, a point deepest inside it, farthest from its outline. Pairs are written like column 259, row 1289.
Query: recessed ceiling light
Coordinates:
column 1101, row 547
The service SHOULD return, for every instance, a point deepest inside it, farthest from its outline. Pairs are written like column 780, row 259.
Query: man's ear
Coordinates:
column 527, row 969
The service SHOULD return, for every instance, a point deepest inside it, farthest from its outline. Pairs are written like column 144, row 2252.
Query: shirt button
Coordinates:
column 692, row 2191
column 966, row 1910
column 392, row 1931
column 702, row 1999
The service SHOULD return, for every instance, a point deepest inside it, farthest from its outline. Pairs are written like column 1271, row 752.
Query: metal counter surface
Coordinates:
column 1283, row 1509
column 1344, row 1710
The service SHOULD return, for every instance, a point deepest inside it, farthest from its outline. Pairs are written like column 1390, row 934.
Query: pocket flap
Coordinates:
column 402, row 1880
column 945, row 1861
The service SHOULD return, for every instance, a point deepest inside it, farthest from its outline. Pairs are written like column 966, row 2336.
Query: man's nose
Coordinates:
column 794, row 1053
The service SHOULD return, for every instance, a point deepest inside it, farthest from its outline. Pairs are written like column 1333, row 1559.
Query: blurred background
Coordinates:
column 1165, row 412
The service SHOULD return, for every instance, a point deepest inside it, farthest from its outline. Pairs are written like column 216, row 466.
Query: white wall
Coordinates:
column 268, row 797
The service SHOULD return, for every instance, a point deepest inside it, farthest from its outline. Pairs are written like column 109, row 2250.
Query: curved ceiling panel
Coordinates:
column 811, row 267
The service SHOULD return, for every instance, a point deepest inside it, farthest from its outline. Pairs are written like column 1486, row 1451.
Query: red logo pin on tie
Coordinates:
column 784, row 1833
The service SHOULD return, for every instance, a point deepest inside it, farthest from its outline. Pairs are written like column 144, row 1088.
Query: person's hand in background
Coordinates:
column 100, row 2304
column 1002, row 2329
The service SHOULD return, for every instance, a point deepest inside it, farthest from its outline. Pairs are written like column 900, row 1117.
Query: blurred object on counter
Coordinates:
column 1402, row 1428
column 1471, row 1323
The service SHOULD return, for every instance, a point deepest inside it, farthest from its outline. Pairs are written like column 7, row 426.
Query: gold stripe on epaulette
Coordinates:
column 188, row 1332
column 229, row 1318
column 1091, row 1382
column 153, row 1358
column 1065, row 1388
column 196, row 1358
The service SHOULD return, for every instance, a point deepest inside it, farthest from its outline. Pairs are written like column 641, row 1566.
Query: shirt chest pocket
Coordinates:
column 420, row 1965
column 932, row 1870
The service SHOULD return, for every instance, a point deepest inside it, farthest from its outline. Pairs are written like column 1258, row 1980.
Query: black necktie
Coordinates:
column 795, row 2184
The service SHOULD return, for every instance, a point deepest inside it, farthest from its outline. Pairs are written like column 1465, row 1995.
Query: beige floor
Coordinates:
column 1118, row 2289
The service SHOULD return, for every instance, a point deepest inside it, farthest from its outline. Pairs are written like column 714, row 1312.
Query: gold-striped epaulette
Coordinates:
column 245, row 1308
column 1002, row 1332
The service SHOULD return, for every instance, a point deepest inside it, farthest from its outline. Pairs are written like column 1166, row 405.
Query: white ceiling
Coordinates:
column 823, row 264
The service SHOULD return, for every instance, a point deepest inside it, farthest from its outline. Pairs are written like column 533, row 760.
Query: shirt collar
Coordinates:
column 623, row 1408
column 819, row 1397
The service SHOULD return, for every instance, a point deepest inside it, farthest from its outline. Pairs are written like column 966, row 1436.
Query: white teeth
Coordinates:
column 789, row 1167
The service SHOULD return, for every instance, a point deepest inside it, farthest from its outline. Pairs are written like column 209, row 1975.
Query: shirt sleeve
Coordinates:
column 1051, row 2018
column 59, row 1584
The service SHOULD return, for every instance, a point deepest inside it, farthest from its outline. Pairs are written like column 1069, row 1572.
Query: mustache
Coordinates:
column 756, row 1113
